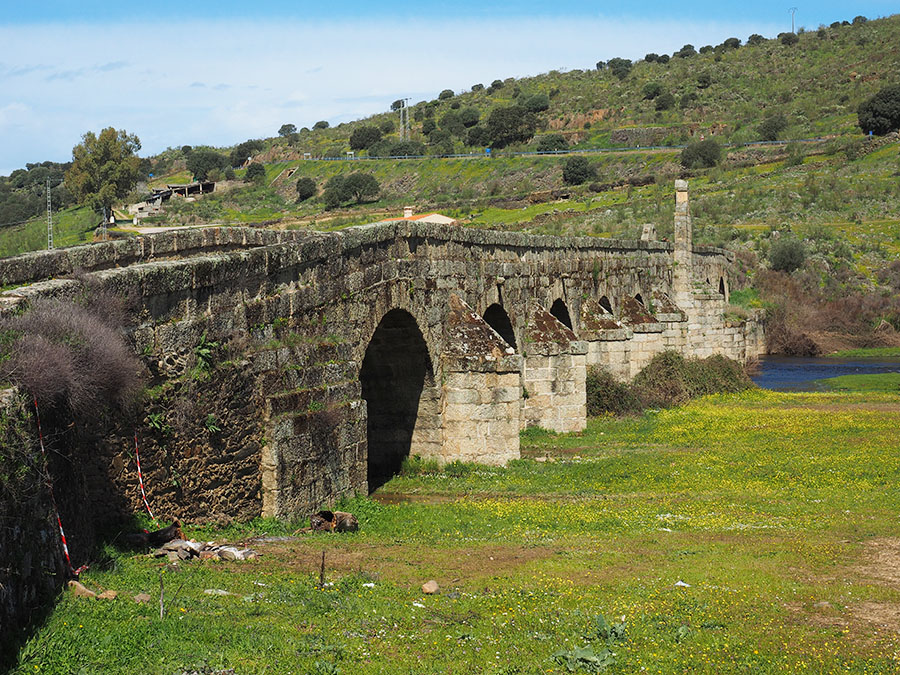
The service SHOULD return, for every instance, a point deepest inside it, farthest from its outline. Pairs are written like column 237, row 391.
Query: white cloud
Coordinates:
column 223, row 82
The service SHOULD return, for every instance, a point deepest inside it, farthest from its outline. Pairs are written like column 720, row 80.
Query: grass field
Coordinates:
column 754, row 533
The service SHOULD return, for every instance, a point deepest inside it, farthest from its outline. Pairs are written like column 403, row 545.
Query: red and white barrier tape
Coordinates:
column 62, row 533
column 137, row 456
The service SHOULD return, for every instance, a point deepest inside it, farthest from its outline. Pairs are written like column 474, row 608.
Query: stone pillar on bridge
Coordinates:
column 554, row 375
column 482, row 387
column 684, row 248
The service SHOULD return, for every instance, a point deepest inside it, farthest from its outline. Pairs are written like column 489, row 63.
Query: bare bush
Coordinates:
column 71, row 357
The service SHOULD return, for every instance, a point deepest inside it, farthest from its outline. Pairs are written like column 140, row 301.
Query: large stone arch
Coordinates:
column 395, row 371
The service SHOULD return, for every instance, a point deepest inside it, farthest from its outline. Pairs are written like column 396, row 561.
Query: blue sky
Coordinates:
column 187, row 73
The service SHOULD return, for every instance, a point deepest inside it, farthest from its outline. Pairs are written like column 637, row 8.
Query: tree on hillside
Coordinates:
column 755, row 39
column 452, row 124
column 537, row 103
column 444, row 95
column 513, row 124
column 287, row 130
column 364, row 137
column 358, row 186
column 244, row 151
column 686, row 52
column 321, row 124
column 772, row 126
column 469, row 117
column 786, row 255
column 578, row 170
column 552, row 143
column 202, row 162
column 306, row 188
column 701, row 155
column 256, row 173
column 789, row 39
column 651, row 90
column 619, row 67
column 881, row 113
column 105, row 168
column 665, row 101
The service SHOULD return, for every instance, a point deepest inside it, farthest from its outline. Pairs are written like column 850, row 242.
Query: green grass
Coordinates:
column 876, row 382
column 778, row 510
column 865, row 353
column 71, row 226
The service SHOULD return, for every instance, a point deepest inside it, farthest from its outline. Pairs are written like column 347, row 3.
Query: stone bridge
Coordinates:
column 370, row 344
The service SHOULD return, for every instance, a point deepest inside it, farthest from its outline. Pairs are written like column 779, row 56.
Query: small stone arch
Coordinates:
column 497, row 318
column 395, row 370
column 605, row 304
column 561, row 312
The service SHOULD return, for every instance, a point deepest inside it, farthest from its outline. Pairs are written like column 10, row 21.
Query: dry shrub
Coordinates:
column 71, row 357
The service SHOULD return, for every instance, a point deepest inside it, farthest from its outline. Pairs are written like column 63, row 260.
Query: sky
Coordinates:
column 220, row 73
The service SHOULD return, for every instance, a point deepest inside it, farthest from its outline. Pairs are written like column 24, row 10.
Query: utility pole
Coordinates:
column 792, row 10
column 404, row 119
column 49, row 219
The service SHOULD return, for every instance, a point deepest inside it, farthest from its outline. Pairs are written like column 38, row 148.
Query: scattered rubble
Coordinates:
column 180, row 549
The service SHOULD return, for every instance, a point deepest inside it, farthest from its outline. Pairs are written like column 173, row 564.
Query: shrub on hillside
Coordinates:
column 772, row 126
column 321, row 124
column 881, row 113
column 478, row 136
column 444, row 95
column 536, row 103
column 665, row 101
column 256, row 173
column 701, row 155
column 651, row 90
column 686, row 52
column 356, row 186
column 789, row 38
column 755, row 39
column 306, row 188
column 619, row 67
column 452, row 124
column 244, row 151
column 469, row 117
column 787, row 254
column 578, row 170
column 386, row 127
column 552, row 143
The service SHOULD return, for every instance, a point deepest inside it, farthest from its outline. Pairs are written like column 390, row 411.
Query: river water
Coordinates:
column 788, row 373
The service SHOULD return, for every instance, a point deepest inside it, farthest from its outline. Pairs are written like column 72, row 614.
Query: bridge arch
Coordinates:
column 497, row 318
column 561, row 312
column 395, row 370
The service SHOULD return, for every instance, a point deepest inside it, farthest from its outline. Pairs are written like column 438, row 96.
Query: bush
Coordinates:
column 578, row 170
column 256, row 173
column 477, row 87
column 670, row 379
column 478, row 136
column 786, row 255
column 685, row 52
column 365, row 136
column 755, row 39
column 665, row 101
column 703, row 81
column 321, row 124
column 71, row 356
column 651, row 90
column 789, row 39
column 444, row 95
column 772, row 126
column 536, row 103
column 619, row 67
column 701, row 155
column 306, row 188
column 406, row 149
column 244, row 151
column 732, row 43
column 387, row 126
column 881, row 113
column 452, row 124
column 552, row 143
column 469, row 117
column 606, row 395
column 356, row 186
